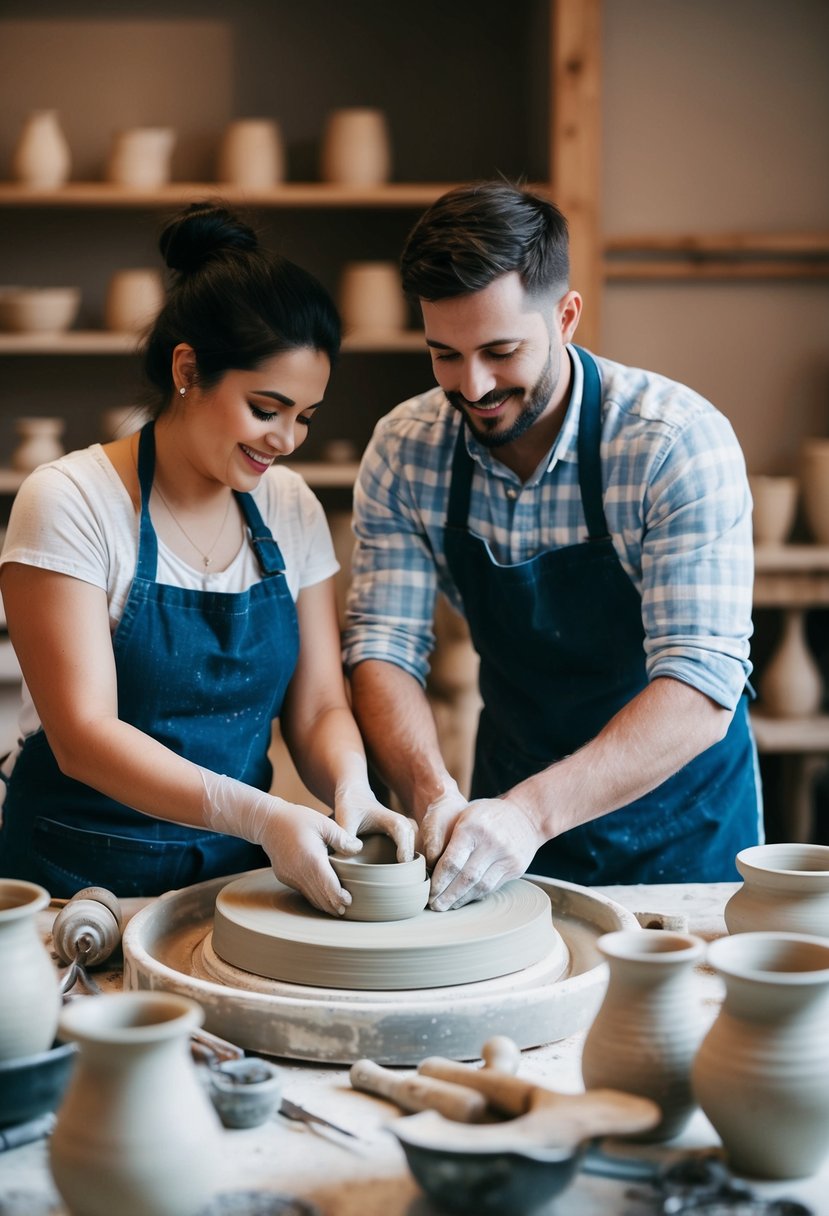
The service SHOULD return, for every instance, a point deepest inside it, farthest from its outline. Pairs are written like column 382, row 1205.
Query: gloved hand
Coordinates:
column 358, row 811
column 439, row 820
column 493, row 840
column 296, row 838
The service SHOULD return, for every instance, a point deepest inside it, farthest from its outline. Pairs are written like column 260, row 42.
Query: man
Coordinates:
column 592, row 522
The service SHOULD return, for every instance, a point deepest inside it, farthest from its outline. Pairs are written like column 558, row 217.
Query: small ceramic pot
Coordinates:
column 134, row 299
column 785, row 888
column 41, row 158
column 140, row 157
column 251, row 154
column 245, row 1092
column 29, row 997
column 371, row 298
column 40, row 442
column 382, row 888
column 355, row 149
column 775, row 505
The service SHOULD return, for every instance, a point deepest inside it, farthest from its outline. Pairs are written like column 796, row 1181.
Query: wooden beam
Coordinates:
column 576, row 146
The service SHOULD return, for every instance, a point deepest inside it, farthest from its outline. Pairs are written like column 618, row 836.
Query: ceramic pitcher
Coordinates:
column 762, row 1072
column 785, row 887
column 41, row 158
column 136, row 1134
column 29, row 996
column 646, row 1033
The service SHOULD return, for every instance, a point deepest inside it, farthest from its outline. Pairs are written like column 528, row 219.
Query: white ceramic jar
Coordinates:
column 251, row 154
column 371, row 298
column 134, row 299
column 140, row 157
column 775, row 507
column 356, row 149
column 41, row 158
column 29, row 996
column 785, row 888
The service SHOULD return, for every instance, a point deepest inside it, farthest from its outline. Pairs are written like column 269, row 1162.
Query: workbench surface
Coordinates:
column 370, row 1177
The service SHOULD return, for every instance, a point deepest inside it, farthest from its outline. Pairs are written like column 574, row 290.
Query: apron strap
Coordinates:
column 589, row 448
column 460, row 487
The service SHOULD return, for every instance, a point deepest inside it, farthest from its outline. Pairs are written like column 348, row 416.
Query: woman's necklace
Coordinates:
column 208, row 556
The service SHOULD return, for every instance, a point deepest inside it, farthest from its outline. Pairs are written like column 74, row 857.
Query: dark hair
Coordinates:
column 475, row 233
column 234, row 303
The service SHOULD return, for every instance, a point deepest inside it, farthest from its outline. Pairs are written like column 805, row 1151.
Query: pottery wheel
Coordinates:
column 263, row 927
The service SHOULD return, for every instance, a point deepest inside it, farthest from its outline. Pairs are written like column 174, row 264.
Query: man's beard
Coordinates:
column 535, row 403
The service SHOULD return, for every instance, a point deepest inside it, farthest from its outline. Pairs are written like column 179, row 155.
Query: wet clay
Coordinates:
column 263, row 927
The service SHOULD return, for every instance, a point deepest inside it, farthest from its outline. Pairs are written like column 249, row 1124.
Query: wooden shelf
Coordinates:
column 733, row 255
column 791, row 576
column 290, row 194
column 318, row 474
column 103, row 342
column 797, row 736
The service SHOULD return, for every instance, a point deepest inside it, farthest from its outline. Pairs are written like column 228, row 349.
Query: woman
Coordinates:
column 171, row 593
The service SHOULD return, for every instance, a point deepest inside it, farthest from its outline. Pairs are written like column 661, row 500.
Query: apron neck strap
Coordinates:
column 589, row 448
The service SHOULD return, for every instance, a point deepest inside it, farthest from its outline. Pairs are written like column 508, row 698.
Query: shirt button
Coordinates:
column 512, row 493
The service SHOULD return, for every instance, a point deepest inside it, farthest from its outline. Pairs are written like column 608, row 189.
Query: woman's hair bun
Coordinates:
column 202, row 232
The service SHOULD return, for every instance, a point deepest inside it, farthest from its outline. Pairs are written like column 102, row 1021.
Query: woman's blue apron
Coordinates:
column 204, row 673
column 560, row 639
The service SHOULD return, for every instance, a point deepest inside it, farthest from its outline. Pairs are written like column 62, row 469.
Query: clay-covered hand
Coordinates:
column 358, row 812
column 439, row 820
column 493, row 840
column 296, row 838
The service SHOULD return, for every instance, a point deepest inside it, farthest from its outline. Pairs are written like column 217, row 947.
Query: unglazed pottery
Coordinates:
column 263, row 927
column 41, row 158
column 39, row 310
column 245, row 1092
column 785, row 887
column 371, row 298
column 251, row 154
column 29, row 995
column 134, row 299
column 136, row 1134
column 381, row 887
column 40, row 441
column 355, row 149
column 814, row 484
column 775, row 506
column 762, row 1072
column 140, row 157
column 791, row 685
column 646, row 1033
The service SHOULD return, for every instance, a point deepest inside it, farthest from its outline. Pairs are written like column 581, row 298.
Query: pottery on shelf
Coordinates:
column 251, row 154
column 791, row 684
column 38, row 310
column 646, row 1033
column 762, row 1072
column 381, row 887
column 40, row 442
column 134, row 299
column 785, row 887
column 41, row 158
column 814, row 484
column 356, row 150
column 775, row 506
column 140, row 157
column 136, row 1134
column 371, row 298
column 29, row 996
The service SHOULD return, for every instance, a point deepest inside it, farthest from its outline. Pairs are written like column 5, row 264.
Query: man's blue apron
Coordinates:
column 204, row 673
column 560, row 639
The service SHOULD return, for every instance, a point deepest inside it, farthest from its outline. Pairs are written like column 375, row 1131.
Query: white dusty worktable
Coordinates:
column 370, row 1177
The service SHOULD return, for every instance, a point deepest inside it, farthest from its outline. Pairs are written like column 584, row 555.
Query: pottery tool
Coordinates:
column 86, row 932
column 456, row 1102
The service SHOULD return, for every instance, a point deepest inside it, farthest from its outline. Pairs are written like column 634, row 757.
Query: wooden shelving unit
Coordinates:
column 735, row 255
column 102, row 342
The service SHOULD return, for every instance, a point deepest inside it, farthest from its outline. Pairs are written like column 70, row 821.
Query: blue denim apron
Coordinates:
column 204, row 673
column 560, row 639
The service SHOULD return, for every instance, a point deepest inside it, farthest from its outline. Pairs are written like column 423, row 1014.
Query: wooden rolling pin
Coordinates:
column 456, row 1102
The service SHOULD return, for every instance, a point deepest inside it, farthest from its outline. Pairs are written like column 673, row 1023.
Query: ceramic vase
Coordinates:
column 251, row 154
column 40, row 442
column 356, row 149
column 814, row 484
column 775, row 506
column 29, row 996
column 791, row 686
column 762, row 1072
column 371, row 298
column 785, row 887
column 646, row 1033
column 140, row 157
column 41, row 158
column 134, row 299
column 136, row 1133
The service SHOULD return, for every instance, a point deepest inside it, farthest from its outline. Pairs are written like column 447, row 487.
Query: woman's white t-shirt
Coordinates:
column 74, row 516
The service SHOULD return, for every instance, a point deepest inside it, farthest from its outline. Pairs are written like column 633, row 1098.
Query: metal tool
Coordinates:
column 291, row 1111
column 86, row 932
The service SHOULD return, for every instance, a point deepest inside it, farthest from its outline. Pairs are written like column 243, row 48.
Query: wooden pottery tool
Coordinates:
column 456, row 1102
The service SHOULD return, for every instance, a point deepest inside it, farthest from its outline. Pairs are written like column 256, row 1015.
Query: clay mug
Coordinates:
column 647, row 1031
column 29, row 995
column 134, row 299
column 785, row 887
column 40, row 442
column 136, row 1133
column 761, row 1074
column 381, row 887
column 775, row 505
column 140, row 157
column 41, row 157
column 371, row 298
column 355, row 148
column 814, row 484
column 251, row 154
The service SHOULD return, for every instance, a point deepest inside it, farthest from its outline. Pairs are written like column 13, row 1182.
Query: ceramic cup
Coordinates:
column 785, row 888
column 251, row 154
column 775, row 505
column 134, row 299
column 382, row 888
column 356, row 149
column 245, row 1092
column 140, row 157
column 371, row 298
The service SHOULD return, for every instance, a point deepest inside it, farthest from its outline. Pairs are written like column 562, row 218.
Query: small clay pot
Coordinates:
column 382, row 888
column 785, row 889
column 245, row 1092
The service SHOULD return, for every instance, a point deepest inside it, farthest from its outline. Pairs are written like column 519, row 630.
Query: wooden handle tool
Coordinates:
column 456, row 1102
column 503, row 1092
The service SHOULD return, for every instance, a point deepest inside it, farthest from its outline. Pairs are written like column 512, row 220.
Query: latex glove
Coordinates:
column 493, row 840
column 439, row 820
column 358, row 811
column 296, row 838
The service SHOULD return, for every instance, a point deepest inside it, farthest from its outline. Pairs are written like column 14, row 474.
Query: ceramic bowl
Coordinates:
column 38, row 309
column 785, row 889
column 245, row 1092
column 382, row 888
column 31, row 1086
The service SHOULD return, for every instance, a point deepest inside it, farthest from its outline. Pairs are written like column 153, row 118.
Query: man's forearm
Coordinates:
column 399, row 732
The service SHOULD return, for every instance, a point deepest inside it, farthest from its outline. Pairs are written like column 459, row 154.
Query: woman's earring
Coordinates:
column 183, row 391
